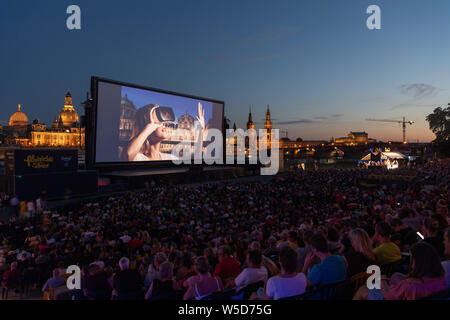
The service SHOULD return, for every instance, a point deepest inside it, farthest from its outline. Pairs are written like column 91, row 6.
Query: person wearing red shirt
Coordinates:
column 11, row 279
column 228, row 266
column 135, row 242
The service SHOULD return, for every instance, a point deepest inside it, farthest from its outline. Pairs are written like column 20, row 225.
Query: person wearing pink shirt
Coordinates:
column 426, row 277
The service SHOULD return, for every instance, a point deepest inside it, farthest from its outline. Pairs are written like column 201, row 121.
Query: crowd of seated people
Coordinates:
column 290, row 235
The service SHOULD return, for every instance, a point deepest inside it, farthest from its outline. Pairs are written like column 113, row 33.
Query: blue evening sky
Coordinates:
column 313, row 61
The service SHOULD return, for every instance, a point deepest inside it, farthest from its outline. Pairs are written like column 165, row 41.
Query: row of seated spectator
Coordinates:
column 296, row 235
column 330, row 278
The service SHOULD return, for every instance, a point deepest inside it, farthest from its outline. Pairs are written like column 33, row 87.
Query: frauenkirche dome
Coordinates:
column 68, row 117
column 18, row 118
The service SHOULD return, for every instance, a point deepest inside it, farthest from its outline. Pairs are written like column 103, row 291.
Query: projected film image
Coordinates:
column 150, row 123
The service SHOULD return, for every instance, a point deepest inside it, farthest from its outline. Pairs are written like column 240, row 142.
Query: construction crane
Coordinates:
column 402, row 122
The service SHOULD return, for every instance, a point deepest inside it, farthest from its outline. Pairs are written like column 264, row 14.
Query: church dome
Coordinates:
column 68, row 117
column 18, row 118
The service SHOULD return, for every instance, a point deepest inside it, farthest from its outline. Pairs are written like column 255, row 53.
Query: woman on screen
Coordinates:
column 149, row 132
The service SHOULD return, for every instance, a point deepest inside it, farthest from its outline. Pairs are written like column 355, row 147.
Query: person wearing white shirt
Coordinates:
column 153, row 268
column 289, row 283
column 255, row 272
column 125, row 238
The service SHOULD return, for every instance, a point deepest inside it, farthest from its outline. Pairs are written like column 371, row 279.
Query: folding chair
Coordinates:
column 357, row 281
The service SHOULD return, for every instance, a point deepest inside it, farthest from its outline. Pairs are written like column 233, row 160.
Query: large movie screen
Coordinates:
column 144, row 125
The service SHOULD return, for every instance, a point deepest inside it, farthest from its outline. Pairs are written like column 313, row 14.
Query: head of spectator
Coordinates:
column 254, row 245
column 55, row 273
column 397, row 224
column 224, row 253
column 288, row 260
column 166, row 271
column 292, row 237
column 14, row 266
column 319, row 246
column 254, row 258
column 93, row 269
column 124, row 263
column 175, row 257
column 209, row 254
column 333, row 235
column 361, row 243
column 424, row 262
column 307, row 235
column 187, row 260
column 430, row 227
column 202, row 266
column 382, row 232
column 158, row 259
column 272, row 242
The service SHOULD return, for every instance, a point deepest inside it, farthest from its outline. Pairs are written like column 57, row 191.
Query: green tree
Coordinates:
column 439, row 123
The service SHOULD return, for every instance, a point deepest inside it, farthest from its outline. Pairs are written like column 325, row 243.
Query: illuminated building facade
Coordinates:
column 250, row 124
column 186, row 121
column 64, row 132
column 284, row 143
column 354, row 139
column 268, row 127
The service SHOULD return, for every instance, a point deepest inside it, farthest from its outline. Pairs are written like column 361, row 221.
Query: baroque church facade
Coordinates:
column 65, row 130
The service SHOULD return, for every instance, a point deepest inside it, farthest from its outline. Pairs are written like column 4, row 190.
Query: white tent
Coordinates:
column 392, row 155
column 391, row 159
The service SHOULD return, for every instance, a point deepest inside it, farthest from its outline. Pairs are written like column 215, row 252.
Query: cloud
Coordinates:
column 336, row 115
column 264, row 120
column 273, row 119
column 419, row 90
column 297, row 121
column 408, row 105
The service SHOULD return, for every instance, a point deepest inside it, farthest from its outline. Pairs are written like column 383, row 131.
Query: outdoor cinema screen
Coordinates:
column 136, row 124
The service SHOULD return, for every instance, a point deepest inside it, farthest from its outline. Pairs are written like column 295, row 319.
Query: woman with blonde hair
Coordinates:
column 361, row 254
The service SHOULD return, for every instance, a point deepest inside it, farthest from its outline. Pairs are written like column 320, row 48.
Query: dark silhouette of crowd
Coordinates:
column 302, row 235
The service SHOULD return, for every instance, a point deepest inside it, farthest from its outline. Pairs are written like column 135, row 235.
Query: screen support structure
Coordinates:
column 90, row 125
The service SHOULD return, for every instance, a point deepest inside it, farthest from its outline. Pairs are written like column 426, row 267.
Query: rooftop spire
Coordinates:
column 268, row 114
